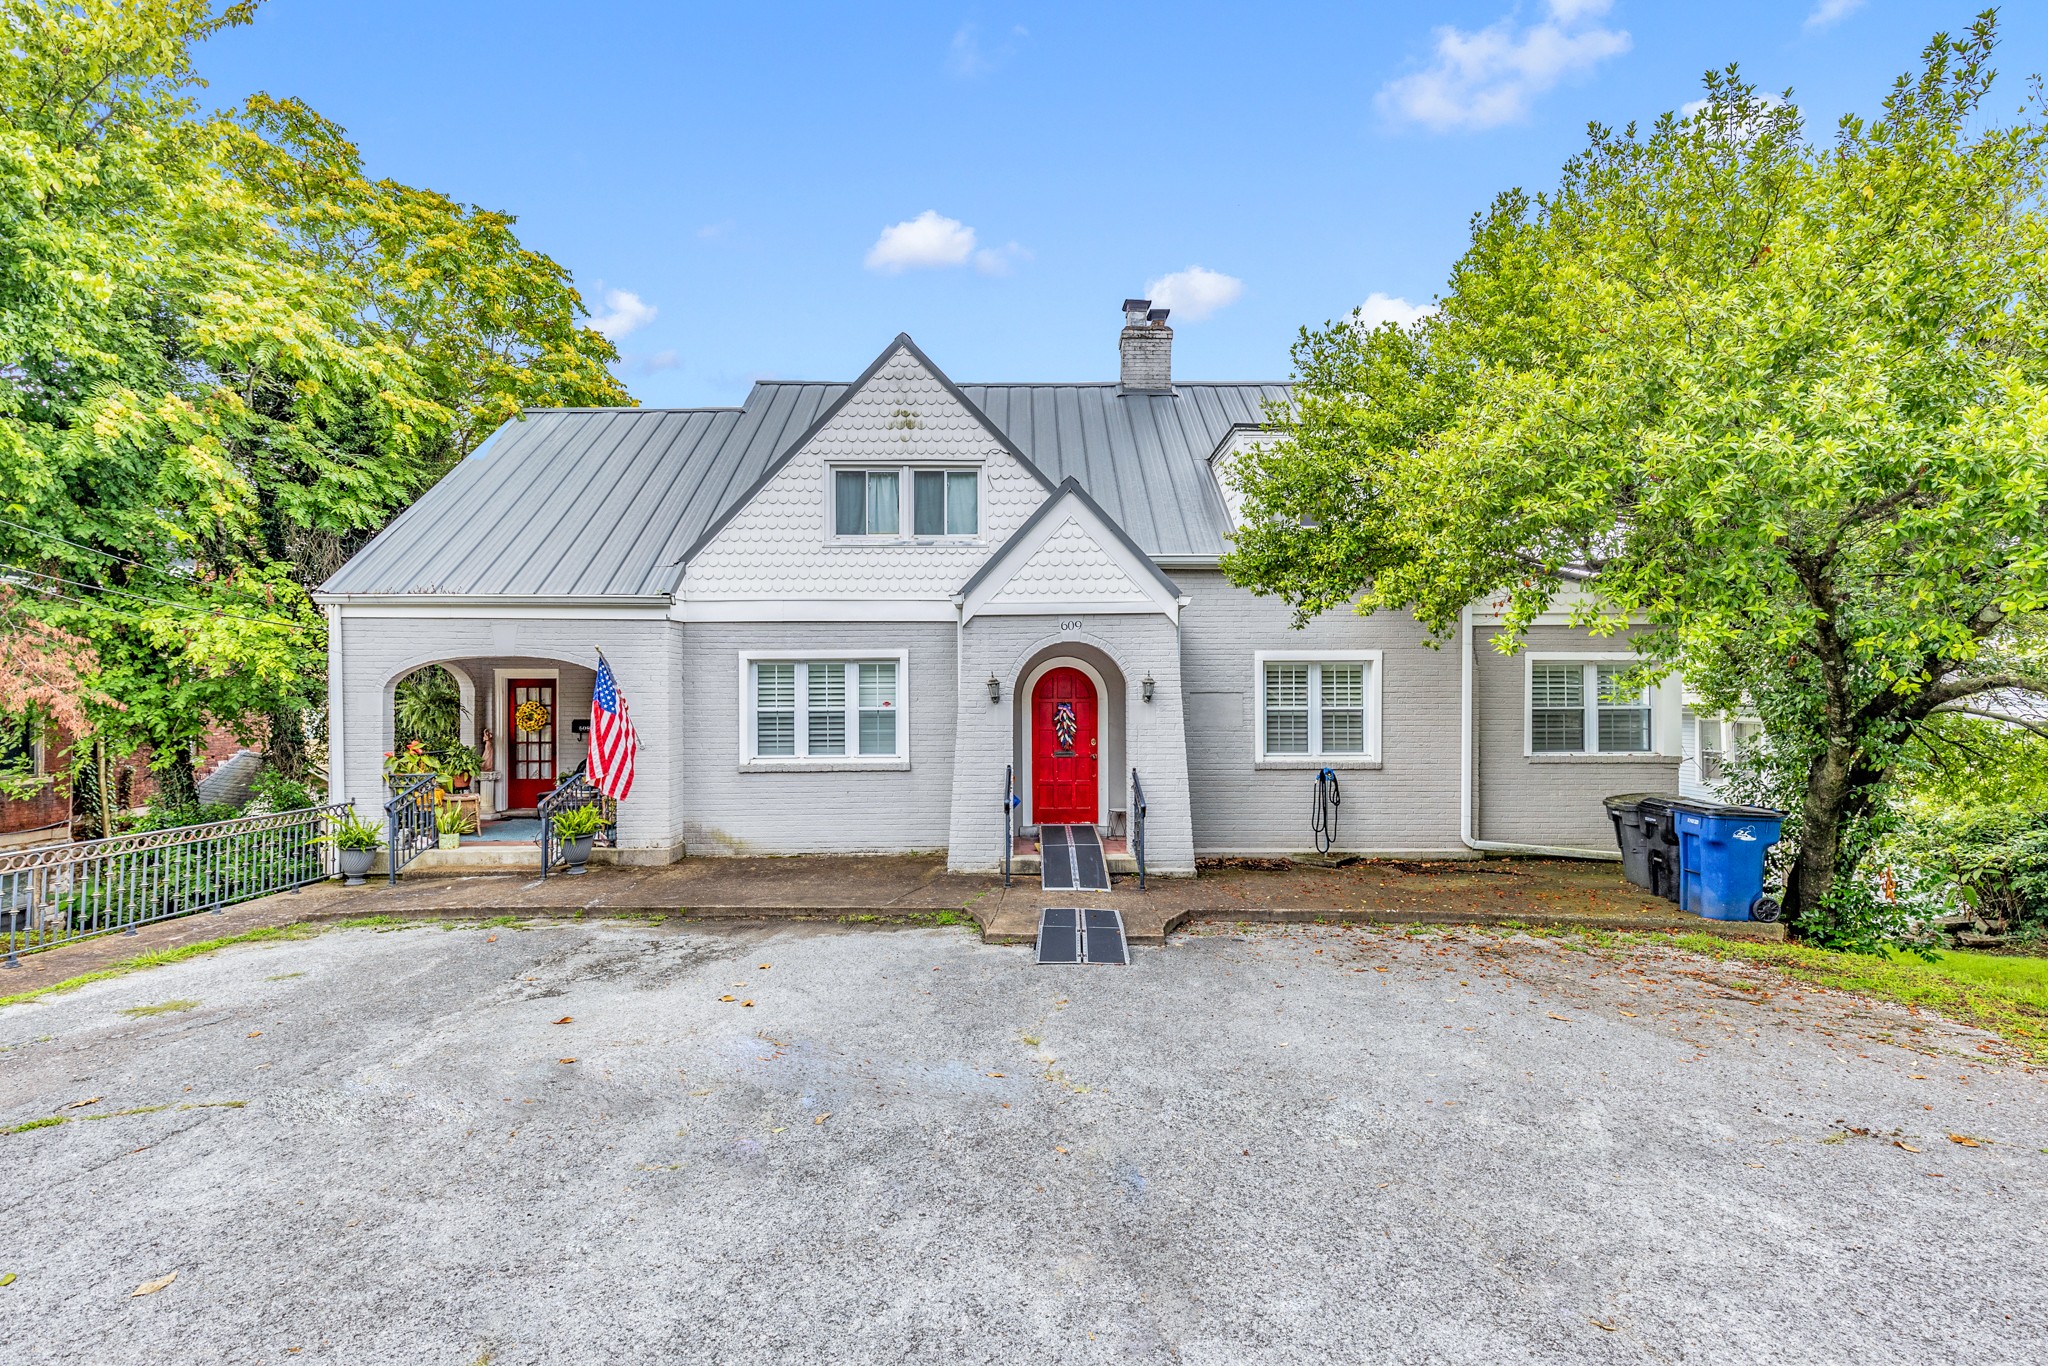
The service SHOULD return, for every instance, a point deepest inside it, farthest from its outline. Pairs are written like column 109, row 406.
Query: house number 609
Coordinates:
column 1070, row 623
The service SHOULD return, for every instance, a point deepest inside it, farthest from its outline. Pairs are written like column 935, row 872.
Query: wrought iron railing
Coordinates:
column 409, row 828
column 570, row 793
column 1138, row 825
column 66, row 892
column 1010, row 804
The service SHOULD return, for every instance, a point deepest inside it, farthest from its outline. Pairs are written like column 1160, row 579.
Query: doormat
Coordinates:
column 1070, row 935
column 1071, row 859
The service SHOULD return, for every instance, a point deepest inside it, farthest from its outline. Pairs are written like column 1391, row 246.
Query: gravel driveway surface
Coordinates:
column 588, row 1142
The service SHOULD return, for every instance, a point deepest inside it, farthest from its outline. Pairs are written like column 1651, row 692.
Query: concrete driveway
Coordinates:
column 1284, row 1145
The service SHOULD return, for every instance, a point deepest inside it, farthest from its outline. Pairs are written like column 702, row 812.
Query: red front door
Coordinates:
column 532, row 752
column 1064, row 777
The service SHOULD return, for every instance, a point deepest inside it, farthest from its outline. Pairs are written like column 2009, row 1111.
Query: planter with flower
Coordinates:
column 576, row 828
column 403, row 765
column 355, row 844
column 458, row 766
column 451, row 823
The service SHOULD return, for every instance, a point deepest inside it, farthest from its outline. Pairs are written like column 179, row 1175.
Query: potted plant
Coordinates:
column 409, row 762
column 451, row 823
column 355, row 844
column 458, row 766
column 575, row 828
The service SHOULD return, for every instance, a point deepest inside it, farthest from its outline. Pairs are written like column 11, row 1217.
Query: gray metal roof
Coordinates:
column 581, row 502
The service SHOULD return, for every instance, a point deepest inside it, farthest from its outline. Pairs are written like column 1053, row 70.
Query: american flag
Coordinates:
column 612, row 741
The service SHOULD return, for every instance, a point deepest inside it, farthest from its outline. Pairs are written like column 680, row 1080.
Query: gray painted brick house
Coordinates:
column 840, row 611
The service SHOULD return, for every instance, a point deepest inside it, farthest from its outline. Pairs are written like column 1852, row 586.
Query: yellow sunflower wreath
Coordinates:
column 531, row 717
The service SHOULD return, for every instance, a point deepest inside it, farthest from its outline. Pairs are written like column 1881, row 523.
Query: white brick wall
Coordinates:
column 1543, row 800
column 372, row 652
column 779, row 546
column 821, row 810
column 1409, row 805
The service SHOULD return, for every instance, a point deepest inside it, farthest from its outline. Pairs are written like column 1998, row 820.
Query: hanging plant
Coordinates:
column 531, row 717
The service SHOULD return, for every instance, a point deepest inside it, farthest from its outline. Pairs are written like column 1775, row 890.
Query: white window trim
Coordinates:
column 906, row 502
column 1654, row 693
column 749, row 762
column 1373, row 679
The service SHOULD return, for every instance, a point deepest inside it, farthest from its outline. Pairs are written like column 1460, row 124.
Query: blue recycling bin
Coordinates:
column 1721, row 858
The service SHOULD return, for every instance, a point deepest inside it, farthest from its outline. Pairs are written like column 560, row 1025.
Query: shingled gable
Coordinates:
column 902, row 344
column 1070, row 555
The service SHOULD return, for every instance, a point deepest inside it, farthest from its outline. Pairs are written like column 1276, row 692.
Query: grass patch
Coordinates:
column 376, row 922
column 52, row 1122
column 158, row 958
column 2005, row 995
column 183, row 1003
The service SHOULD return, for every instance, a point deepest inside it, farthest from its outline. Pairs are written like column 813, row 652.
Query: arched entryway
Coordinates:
column 1066, row 748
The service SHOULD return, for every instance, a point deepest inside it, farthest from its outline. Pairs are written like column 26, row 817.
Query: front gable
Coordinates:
column 778, row 541
column 1070, row 557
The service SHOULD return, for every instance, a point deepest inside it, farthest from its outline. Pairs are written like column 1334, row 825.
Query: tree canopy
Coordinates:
column 231, row 357
column 1780, row 401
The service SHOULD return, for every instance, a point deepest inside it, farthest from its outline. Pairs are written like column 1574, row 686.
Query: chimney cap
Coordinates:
column 1157, row 315
column 1136, row 305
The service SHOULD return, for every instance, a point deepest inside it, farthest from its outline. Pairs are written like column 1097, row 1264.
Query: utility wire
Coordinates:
column 91, row 549
column 285, row 622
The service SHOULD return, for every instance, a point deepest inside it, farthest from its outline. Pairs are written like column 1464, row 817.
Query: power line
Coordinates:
column 91, row 549
column 285, row 622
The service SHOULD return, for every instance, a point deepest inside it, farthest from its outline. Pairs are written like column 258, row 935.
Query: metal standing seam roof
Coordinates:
column 603, row 502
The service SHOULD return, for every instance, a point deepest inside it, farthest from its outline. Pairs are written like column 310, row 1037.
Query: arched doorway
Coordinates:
column 1065, row 749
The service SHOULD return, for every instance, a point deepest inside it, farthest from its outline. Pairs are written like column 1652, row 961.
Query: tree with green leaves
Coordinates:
column 1780, row 404
column 232, row 357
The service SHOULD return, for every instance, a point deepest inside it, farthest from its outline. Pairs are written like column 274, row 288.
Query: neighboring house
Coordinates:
column 840, row 611
column 46, row 816
column 1710, row 743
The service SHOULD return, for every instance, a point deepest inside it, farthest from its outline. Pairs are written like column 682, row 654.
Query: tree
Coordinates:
column 1780, row 402
column 232, row 358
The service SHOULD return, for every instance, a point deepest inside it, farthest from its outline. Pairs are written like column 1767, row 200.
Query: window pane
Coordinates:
column 1286, row 732
column 826, row 694
column 928, row 516
column 1624, row 728
column 878, row 732
column 849, row 502
column 775, row 709
column 962, row 518
column 1343, row 685
column 885, row 517
column 1557, row 685
column 1343, row 732
column 1287, row 686
column 877, row 685
column 1610, row 695
column 878, row 708
column 1553, row 731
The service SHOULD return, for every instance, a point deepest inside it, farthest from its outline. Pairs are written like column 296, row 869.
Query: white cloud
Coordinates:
column 923, row 242
column 1489, row 77
column 1381, row 308
column 711, row 232
column 1193, row 294
column 624, row 311
column 1828, row 11
column 1000, row 260
column 662, row 360
column 967, row 58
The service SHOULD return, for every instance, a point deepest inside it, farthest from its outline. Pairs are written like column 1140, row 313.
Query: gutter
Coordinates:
column 1467, row 758
column 649, row 600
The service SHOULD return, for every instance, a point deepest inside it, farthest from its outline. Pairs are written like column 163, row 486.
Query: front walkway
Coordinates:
column 918, row 889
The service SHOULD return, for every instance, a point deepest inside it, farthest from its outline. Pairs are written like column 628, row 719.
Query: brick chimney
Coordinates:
column 1147, row 347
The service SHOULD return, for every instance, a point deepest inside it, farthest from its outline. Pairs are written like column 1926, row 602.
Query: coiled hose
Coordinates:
column 1322, row 817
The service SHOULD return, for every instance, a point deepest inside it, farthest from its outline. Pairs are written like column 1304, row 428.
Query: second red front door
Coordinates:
column 1065, row 777
column 531, row 762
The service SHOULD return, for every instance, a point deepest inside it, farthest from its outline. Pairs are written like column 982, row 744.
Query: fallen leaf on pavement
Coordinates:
column 1604, row 1326
column 255, row 1034
column 81, row 1104
column 151, row 1287
column 822, row 1118
column 1901, row 1143
column 7, row 1279
column 1555, row 1016
column 1058, row 1149
column 566, row 1019
column 765, row 966
column 746, row 1003
column 565, row 1059
column 728, row 998
column 1966, row 1141
column 1630, row 1013
column 995, row 1074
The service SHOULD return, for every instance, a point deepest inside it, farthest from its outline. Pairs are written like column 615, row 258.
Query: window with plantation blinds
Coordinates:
column 1315, row 709
column 1580, row 707
column 826, row 709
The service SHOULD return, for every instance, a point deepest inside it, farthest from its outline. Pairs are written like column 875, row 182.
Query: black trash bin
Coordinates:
column 1626, row 813
column 1660, row 836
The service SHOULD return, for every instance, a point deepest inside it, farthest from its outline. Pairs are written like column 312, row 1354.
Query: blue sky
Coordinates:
column 750, row 190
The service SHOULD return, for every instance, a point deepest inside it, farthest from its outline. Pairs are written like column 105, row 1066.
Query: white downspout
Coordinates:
column 1467, row 758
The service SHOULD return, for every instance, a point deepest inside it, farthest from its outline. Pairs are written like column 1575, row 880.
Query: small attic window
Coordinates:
column 868, row 503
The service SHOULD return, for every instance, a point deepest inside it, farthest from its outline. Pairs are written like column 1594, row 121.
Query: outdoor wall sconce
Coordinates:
column 995, row 689
column 1146, row 684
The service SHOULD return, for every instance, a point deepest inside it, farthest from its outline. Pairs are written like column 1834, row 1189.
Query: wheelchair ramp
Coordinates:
column 1068, row 934
column 1071, row 859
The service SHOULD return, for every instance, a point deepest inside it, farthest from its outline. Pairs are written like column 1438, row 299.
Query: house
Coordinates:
column 841, row 612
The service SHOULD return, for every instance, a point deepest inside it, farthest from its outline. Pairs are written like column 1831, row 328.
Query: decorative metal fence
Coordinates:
column 68, row 892
column 1138, row 825
column 570, row 793
column 409, row 828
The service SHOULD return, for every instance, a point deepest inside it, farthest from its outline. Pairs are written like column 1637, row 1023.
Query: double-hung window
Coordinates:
column 1582, row 707
column 1318, row 709
column 825, row 709
column 869, row 502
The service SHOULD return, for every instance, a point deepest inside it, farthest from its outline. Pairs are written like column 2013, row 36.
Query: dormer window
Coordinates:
column 869, row 503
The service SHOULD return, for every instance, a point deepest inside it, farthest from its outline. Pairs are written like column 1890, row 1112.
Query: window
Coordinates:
column 1572, row 702
column 825, row 709
column 942, row 502
column 1317, row 709
column 20, row 755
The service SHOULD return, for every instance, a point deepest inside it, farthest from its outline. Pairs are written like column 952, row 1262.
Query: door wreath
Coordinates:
column 531, row 717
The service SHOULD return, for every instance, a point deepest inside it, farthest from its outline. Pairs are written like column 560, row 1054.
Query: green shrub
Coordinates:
column 280, row 793
column 1996, row 856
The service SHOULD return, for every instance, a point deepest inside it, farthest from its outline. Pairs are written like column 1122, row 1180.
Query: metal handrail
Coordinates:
column 566, row 795
column 66, row 892
column 1009, row 817
column 409, row 827
column 1138, row 825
